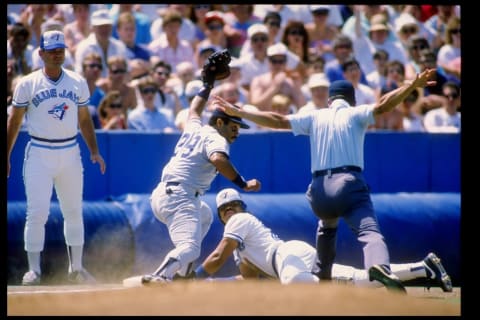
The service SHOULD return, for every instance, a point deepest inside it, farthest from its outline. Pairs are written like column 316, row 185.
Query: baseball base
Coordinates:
column 132, row 282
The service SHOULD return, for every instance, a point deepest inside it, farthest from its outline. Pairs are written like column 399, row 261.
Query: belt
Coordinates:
column 336, row 170
column 174, row 184
column 54, row 140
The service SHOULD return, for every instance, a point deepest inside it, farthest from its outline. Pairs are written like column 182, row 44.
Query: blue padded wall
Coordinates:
column 394, row 162
column 124, row 238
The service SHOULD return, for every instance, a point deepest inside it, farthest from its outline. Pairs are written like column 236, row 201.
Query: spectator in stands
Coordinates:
column 100, row 41
column 141, row 23
column 446, row 118
column 169, row 47
column 266, row 85
column 438, row 24
column 91, row 70
column 118, row 79
column 197, row 16
column 391, row 120
column 377, row 78
column 235, row 78
column 147, row 116
column 412, row 120
column 187, row 27
column 272, row 21
column 320, row 32
column 32, row 18
column 214, row 33
column 428, row 59
column 416, row 44
column 256, row 62
column 185, row 74
column 165, row 98
column 351, row 72
column 126, row 32
column 238, row 18
column 343, row 50
column 78, row 29
column 395, row 77
column 19, row 49
column 451, row 50
column 296, row 38
column 406, row 26
column 318, row 85
column 378, row 38
column 138, row 69
column 111, row 112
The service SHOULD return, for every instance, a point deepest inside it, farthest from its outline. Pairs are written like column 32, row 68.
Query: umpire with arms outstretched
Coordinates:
column 338, row 188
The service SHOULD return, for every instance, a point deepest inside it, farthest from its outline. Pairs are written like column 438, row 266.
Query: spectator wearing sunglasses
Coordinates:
column 214, row 33
column 406, row 26
column 110, row 111
column 447, row 118
column 147, row 116
column 275, row 81
column 273, row 22
column 416, row 44
column 118, row 78
column 91, row 70
column 100, row 41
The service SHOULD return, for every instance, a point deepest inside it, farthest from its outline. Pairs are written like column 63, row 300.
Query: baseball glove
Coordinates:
column 216, row 67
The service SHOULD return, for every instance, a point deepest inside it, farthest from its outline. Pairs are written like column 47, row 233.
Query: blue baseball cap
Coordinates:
column 342, row 88
column 51, row 40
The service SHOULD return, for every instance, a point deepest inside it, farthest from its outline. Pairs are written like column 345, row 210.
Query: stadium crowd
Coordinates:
column 142, row 62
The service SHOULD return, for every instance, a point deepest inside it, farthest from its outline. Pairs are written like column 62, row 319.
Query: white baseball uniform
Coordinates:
column 52, row 156
column 175, row 201
column 292, row 261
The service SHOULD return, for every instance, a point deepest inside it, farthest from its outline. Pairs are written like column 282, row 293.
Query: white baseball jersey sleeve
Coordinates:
column 256, row 242
column 190, row 164
column 52, row 106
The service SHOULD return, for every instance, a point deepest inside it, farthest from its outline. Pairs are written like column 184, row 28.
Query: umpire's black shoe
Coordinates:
column 386, row 277
column 436, row 273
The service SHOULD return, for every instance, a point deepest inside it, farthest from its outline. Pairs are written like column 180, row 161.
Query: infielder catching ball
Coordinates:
column 55, row 102
column 200, row 153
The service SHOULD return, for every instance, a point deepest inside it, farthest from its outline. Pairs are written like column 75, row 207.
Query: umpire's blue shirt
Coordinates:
column 336, row 133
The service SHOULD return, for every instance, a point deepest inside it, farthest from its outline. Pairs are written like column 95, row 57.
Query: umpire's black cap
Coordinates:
column 217, row 113
column 342, row 89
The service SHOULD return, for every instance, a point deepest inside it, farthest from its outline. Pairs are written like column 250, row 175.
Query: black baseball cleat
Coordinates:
column 436, row 273
column 386, row 277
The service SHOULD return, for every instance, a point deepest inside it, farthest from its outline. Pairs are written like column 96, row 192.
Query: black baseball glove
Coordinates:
column 216, row 67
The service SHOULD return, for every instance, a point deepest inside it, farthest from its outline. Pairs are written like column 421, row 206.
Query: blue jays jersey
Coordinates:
column 256, row 242
column 52, row 106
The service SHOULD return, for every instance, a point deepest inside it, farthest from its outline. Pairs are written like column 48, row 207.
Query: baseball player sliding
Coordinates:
column 259, row 252
column 200, row 153
column 55, row 102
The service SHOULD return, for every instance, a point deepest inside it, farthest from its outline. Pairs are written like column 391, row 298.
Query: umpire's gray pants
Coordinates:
column 347, row 196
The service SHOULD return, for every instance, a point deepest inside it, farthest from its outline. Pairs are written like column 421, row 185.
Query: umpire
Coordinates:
column 338, row 188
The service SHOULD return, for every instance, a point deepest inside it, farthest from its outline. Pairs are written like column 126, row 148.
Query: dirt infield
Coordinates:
column 230, row 298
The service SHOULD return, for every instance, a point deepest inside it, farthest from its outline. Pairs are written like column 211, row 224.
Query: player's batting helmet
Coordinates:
column 226, row 196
